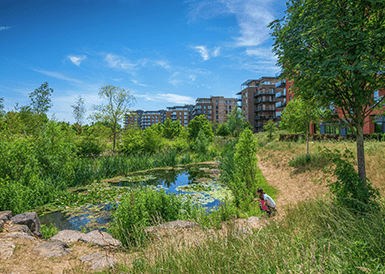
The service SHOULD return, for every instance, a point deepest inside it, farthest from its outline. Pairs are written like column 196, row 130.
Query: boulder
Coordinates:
column 54, row 248
column 98, row 261
column 5, row 215
column 68, row 236
column 19, row 228
column 20, row 235
column 178, row 224
column 30, row 219
column 101, row 238
column 6, row 250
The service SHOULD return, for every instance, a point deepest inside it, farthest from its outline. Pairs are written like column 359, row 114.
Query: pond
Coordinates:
column 197, row 182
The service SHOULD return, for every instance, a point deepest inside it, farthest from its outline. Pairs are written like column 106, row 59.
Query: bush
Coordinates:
column 89, row 147
column 349, row 189
column 48, row 232
column 146, row 207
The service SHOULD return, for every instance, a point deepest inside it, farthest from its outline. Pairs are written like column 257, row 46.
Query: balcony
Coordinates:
column 281, row 83
column 257, row 118
column 239, row 98
column 280, row 104
column 264, row 101
column 264, row 92
column 281, row 94
column 265, row 109
column 258, row 125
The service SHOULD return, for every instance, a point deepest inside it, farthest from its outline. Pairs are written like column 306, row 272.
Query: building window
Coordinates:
column 208, row 117
column 216, row 102
column 226, row 107
column 216, row 107
column 204, row 112
column 204, row 107
column 216, row 117
column 229, row 107
column 229, row 102
column 226, row 102
column 216, row 112
column 208, row 107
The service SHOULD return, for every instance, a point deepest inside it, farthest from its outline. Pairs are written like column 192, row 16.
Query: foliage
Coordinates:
column 40, row 99
column 349, row 189
column 226, row 161
column 79, row 111
column 171, row 129
column 201, row 144
column 334, row 52
column 314, row 237
column 197, row 124
column 152, row 141
column 118, row 102
column 144, row 207
column 48, row 231
column 235, row 121
column 270, row 127
column 89, row 147
column 223, row 130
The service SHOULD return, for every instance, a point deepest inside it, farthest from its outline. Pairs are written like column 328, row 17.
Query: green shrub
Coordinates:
column 89, row 147
column 48, row 232
column 349, row 189
column 302, row 160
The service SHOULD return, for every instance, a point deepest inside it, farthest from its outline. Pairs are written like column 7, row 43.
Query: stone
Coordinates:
column 20, row 235
column 178, row 224
column 19, row 228
column 98, row 261
column 54, row 248
column 6, row 250
column 30, row 219
column 68, row 236
column 101, row 238
column 5, row 215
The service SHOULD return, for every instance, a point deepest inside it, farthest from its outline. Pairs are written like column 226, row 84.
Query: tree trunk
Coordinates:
column 361, row 153
column 113, row 144
column 307, row 143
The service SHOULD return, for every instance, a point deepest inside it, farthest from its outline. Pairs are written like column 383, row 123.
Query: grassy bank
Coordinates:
column 315, row 237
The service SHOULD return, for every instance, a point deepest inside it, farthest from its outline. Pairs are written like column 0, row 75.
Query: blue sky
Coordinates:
column 165, row 53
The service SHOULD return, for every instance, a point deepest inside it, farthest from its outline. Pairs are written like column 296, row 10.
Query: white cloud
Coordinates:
column 58, row 76
column 168, row 97
column 205, row 52
column 253, row 17
column 139, row 84
column 264, row 53
column 119, row 62
column 216, row 51
column 192, row 77
column 76, row 59
column 4, row 28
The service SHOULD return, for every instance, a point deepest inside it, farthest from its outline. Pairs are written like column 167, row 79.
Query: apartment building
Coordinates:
column 183, row 114
column 144, row 119
column 216, row 108
column 257, row 100
column 280, row 99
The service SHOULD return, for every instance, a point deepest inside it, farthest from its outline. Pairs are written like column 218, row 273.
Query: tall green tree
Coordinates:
column 270, row 127
column 235, row 121
column 118, row 102
column 171, row 129
column 335, row 51
column 297, row 117
column 41, row 99
column 199, row 123
column 79, row 110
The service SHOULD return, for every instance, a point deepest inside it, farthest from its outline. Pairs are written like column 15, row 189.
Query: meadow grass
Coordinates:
column 315, row 237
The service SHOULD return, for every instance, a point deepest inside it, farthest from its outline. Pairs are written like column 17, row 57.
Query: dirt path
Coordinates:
column 292, row 185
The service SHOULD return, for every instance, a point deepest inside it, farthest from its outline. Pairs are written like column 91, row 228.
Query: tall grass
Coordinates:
column 315, row 237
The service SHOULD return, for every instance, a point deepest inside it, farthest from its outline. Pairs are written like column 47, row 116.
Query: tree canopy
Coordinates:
column 40, row 99
column 335, row 51
column 118, row 103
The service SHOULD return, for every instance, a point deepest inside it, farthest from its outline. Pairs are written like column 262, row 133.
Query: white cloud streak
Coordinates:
column 76, row 59
column 4, row 28
column 58, row 75
column 167, row 97
column 206, row 53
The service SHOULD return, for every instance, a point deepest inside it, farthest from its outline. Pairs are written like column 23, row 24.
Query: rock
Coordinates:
column 54, row 248
column 98, row 261
column 19, row 228
column 5, row 215
column 20, row 235
column 30, row 219
column 68, row 236
column 178, row 224
column 1, row 225
column 6, row 250
column 101, row 238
